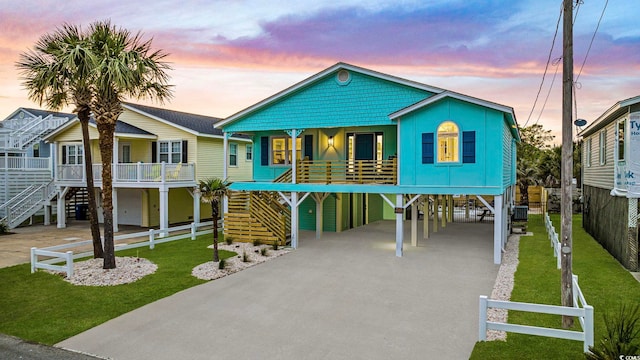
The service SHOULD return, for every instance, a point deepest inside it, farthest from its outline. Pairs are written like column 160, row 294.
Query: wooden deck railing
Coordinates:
column 257, row 216
column 347, row 171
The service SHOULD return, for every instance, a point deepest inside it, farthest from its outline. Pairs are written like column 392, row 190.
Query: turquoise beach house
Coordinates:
column 349, row 146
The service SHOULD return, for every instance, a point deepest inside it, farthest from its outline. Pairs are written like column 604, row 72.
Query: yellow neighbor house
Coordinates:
column 159, row 156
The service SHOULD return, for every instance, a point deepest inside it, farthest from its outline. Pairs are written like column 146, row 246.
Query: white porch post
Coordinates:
column 114, row 198
column 399, row 228
column 164, row 210
column 294, row 153
column 54, row 154
column 115, row 165
column 414, row 223
column 498, row 232
column 225, row 170
column 294, row 220
column 62, row 214
column 425, row 218
column 47, row 214
column 196, row 207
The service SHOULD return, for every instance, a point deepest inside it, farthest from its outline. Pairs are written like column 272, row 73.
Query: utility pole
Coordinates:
column 567, row 160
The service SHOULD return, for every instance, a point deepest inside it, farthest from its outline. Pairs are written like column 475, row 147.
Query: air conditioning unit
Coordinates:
column 520, row 213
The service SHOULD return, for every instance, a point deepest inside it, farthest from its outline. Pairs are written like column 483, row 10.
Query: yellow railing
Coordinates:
column 257, row 216
column 347, row 171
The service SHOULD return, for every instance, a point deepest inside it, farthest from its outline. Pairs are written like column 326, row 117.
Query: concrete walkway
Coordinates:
column 345, row 296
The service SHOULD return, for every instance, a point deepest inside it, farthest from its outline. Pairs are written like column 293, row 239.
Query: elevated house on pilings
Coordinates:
column 351, row 140
column 610, row 185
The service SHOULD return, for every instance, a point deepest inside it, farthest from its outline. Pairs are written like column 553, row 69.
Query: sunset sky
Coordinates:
column 228, row 55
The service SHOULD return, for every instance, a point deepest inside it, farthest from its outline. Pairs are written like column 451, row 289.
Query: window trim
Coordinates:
column 587, row 154
column 621, row 141
column 170, row 152
column 233, row 152
column 248, row 152
column 456, row 147
column 286, row 150
column 602, row 147
column 79, row 154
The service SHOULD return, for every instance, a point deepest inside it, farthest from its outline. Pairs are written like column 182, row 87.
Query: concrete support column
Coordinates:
column 47, row 214
column 114, row 195
column 399, row 225
column 443, row 218
column 196, row 207
column 450, row 208
column 164, row 210
column 414, row 223
column 425, row 219
column 498, row 232
column 294, row 220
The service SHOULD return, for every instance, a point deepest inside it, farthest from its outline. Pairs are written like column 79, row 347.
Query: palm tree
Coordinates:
column 211, row 191
column 58, row 72
column 125, row 67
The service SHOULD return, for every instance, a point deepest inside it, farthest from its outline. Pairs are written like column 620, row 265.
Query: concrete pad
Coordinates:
column 345, row 296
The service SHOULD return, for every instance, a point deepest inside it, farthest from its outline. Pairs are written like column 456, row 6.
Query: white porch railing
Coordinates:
column 26, row 203
column 580, row 309
column 129, row 173
column 54, row 257
column 25, row 131
column 24, row 163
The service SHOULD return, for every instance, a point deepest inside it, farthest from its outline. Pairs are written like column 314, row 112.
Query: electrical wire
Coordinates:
column 556, row 63
column 592, row 38
column 555, row 35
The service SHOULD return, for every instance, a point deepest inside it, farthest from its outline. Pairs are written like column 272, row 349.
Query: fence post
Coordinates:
column 588, row 327
column 482, row 323
column 574, row 290
column 193, row 231
column 34, row 259
column 69, row 257
column 151, row 239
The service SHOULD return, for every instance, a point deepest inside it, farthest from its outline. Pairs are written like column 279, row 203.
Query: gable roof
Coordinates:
column 313, row 78
column 122, row 129
column 511, row 117
column 39, row 112
column 614, row 112
column 199, row 125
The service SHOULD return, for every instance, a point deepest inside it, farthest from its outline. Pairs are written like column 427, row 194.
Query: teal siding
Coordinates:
column 489, row 127
column 364, row 101
column 507, row 154
column 307, row 214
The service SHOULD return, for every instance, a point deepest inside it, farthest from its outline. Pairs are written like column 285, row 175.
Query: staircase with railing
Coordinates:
column 25, row 133
column 26, row 203
column 257, row 216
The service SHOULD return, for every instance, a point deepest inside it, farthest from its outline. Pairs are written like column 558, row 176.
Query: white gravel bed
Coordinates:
column 210, row 271
column 503, row 286
column 128, row 270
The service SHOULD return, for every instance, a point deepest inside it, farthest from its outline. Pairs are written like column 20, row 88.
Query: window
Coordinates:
column 603, row 147
column 621, row 127
column 125, row 153
column 587, row 155
column 233, row 154
column 36, row 150
column 448, row 142
column 281, row 149
column 248, row 150
column 170, row 151
column 72, row 154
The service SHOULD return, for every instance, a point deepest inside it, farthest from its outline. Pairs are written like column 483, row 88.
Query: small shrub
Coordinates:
column 245, row 257
column 275, row 245
column 4, row 228
column 256, row 242
column 623, row 335
column 228, row 240
column 222, row 264
column 264, row 251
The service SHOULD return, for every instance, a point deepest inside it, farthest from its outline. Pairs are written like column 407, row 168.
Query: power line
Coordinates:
column 556, row 62
column 592, row 38
column 546, row 67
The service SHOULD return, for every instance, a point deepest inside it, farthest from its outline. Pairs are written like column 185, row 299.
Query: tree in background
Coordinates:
column 536, row 142
column 59, row 72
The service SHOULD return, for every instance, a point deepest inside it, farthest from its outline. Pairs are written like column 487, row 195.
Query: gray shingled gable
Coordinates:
column 126, row 128
column 45, row 113
column 198, row 123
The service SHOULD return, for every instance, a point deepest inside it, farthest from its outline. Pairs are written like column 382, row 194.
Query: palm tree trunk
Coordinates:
column 106, row 130
column 214, row 212
column 83, row 116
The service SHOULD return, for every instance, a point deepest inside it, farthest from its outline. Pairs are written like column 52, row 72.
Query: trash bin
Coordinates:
column 81, row 211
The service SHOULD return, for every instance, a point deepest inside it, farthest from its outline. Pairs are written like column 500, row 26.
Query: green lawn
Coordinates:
column 43, row 308
column 604, row 282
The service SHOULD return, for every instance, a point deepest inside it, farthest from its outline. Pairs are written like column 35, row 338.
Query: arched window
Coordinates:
column 448, row 148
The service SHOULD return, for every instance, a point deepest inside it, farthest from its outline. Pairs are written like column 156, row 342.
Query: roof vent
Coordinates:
column 343, row 77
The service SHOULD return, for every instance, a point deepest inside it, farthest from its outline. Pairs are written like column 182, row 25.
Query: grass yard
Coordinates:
column 604, row 282
column 42, row 307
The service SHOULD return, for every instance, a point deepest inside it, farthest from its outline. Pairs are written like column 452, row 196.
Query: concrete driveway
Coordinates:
column 345, row 296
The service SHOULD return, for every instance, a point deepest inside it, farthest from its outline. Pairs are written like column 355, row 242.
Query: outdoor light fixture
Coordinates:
column 330, row 141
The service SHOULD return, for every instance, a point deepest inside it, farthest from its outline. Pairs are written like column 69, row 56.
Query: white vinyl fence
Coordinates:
column 580, row 309
column 63, row 261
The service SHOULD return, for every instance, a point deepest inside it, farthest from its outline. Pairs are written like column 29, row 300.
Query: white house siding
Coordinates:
column 601, row 176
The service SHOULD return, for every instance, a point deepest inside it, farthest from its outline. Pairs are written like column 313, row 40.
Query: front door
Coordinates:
column 364, row 147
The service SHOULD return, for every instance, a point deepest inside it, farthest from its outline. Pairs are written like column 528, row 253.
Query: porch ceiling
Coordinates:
column 367, row 188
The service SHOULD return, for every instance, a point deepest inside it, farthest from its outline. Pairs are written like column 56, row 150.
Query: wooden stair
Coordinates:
column 257, row 216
